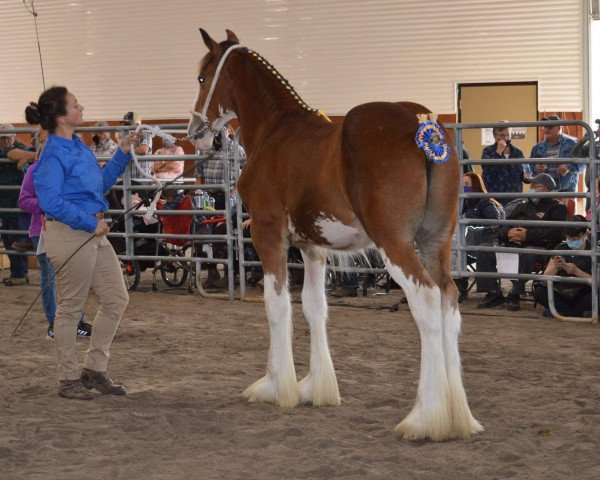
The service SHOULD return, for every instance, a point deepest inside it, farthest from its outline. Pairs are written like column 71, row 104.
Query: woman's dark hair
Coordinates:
column 575, row 231
column 477, row 182
column 52, row 103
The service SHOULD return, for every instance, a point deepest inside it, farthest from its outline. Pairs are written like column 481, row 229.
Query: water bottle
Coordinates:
column 211, row 203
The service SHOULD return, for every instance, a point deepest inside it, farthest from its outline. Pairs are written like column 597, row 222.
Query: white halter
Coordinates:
column 223, row 117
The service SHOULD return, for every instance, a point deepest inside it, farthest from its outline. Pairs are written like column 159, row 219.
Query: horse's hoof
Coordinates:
column 325, row 393
column 265, row 390
column 417, row 426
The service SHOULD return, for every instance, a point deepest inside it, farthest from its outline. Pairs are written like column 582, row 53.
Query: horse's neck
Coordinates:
column 261, row 103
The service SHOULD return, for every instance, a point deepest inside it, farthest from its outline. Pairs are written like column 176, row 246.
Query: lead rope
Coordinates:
column 156, row 131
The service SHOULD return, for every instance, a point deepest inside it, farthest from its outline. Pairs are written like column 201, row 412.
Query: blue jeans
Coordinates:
column 18, row 263
column 47, row 284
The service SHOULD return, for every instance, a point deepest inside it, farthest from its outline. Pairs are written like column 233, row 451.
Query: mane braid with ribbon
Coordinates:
column 281, row 79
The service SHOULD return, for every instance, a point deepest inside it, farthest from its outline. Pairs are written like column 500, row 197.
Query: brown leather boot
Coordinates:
column 73, row 389
column 101, row 382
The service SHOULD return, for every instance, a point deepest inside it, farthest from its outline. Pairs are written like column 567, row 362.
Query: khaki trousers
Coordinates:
column 95, row 266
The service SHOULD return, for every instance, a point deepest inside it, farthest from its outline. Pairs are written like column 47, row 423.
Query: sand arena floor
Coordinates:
column 533, row 382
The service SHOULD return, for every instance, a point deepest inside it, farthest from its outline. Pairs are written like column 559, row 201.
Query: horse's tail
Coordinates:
column 441, row 208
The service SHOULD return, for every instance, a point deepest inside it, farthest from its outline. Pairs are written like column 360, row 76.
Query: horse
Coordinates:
column 340, row 187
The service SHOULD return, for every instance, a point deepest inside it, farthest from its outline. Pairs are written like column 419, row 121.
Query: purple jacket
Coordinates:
column 29, row 202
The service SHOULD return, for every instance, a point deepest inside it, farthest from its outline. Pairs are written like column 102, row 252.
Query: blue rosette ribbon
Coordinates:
column 430, row 138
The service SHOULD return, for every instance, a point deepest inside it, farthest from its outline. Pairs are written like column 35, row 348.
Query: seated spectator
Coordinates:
column 570, row 299
column 103, row 145
column 556, row 145
column 502, row 177
column 168, row 169
column 486, row 208
column 535, row 209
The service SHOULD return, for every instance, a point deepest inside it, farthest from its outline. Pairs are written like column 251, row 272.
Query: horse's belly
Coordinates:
column 331, row 233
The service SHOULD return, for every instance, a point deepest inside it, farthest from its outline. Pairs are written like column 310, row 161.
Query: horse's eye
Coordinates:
column 201, row 80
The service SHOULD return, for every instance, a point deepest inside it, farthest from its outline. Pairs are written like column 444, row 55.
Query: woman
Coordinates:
column 485, row 208
column 70, row 187
column 168, row 169
column 570, row 299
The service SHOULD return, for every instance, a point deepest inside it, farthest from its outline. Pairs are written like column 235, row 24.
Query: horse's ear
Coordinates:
column 232, row 37
column 212, row 46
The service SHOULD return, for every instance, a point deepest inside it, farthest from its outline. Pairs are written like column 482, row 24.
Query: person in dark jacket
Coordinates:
column 570, row 299
column 486, row 208
column 544, row 209
column 502, row 177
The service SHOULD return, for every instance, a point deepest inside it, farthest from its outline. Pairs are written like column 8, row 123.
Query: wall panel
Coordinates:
column 119, row 56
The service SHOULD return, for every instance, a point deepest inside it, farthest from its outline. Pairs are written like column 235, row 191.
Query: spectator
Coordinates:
column 211, row 170
column 144, row 147
column 10, row 174
column 466, row 156
column 28, row 202
column 484, row 208
column 103, row 145
column 556, row 145
column 502, row 177
column 582, row 150
column 570, row 299
column 544, row 209
column 168, row 169
column 588, row 214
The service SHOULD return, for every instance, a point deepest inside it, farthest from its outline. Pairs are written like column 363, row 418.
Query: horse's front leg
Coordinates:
column 279, row 385
column 320, row 386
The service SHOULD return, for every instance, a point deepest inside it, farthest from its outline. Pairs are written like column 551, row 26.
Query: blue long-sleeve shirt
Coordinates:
column 69, row 183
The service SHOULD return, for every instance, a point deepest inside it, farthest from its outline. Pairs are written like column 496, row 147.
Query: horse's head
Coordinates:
column 213, row 107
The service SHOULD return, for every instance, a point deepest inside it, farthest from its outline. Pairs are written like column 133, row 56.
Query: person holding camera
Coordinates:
column 502, row 177
column 570, row 299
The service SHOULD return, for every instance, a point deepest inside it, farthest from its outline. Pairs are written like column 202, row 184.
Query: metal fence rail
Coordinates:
column 235, row 240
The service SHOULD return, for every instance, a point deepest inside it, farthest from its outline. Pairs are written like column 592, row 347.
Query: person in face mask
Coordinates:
column 570, row 299
column 544, row 209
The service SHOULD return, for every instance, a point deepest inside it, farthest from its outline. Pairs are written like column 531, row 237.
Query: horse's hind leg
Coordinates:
column 320, row 386
column 437, row 261
column 431, row 414
column 279, row 385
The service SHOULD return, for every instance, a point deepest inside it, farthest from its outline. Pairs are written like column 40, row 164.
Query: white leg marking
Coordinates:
column 320, row 386
column 279, row 385
column 431, row 414
column 463, row 423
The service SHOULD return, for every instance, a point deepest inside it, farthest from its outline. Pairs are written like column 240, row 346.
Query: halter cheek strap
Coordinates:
column 216, row 78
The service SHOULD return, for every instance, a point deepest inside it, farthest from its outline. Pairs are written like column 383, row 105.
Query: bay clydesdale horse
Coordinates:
column 362, row 183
